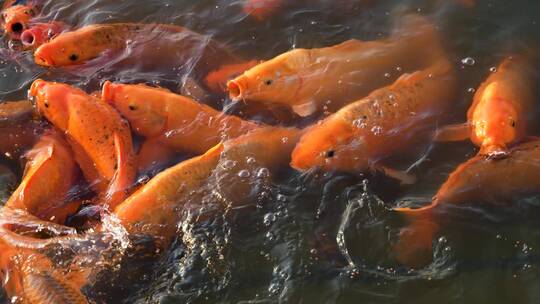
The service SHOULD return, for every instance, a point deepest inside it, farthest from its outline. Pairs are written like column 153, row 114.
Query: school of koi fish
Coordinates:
column 109, row 158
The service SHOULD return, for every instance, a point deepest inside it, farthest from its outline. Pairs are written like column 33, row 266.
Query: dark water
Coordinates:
column 323, row 238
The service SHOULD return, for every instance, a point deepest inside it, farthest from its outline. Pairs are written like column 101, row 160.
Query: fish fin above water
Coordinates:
column 305, row 109
column 404, row 177
column 457, row 132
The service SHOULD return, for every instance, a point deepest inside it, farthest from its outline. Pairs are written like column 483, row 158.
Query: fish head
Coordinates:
column 275, row 81
column 15, row 19
column 51, row 100
column 330, row 145
column 144, row 116
column 497, row 121
column 40, row 33
column 68, row 48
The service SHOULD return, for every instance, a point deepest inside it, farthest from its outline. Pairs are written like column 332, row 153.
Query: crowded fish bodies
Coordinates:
column 115, row 151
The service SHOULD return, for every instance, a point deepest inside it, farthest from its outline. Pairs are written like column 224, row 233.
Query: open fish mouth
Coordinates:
column 237, row 88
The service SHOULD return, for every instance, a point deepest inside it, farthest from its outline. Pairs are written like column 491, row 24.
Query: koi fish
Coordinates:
column 15, row 19
column 152, row 208
column 390, row 120
column 261, row 9
column 163, row 46
column 50, row 173
column 480, row 179
column 99, row 137
column 30, row 277
column 306, row 80
column 153, row 154
column 175, row 120
column 497, row 116
column 40, row 33
column 217, row 80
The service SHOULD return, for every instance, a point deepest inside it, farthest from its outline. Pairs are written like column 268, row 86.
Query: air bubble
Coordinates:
column 468, row 61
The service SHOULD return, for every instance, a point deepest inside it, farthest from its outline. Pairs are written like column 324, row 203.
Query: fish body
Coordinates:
column 481, row 179
column 311, row 80
column 99, row 137
column 261, row 9
column 152, row 209
column 497, row 117
column 389, row 121
column 50, row 173
column 161, row 46
column 174, row 120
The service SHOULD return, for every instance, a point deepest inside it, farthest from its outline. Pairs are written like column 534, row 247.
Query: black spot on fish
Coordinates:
column 73, row 57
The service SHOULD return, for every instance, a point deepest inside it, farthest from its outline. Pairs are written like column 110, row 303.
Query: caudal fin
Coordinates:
column 415, row 245
column 124, row 176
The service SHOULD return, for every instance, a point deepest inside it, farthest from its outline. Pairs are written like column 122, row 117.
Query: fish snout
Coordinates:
column 36, row 87
column 107, row 92
column 237, row 88
column 40, row 33
column 42, row 57
column 300, row 159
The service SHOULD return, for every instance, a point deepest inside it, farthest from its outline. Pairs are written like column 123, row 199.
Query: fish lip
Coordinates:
column 236, row 88
column 28, row 38
column 41, row 58
column 36, row 86
column 107, row 92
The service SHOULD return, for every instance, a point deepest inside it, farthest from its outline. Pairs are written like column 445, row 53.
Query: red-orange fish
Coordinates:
column 261, row 9
column 390, row 120
column 40, row 33
column 173, row 119
column 99, row 137
column 50, row 173
column 15, row 19
column 479, row 180
column 498, row 116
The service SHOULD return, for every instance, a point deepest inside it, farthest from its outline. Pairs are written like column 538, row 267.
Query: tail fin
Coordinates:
column 123, row 178
column 414, row 248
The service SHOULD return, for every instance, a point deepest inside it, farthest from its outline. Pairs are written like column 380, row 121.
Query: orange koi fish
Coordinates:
column 40, row 33
column 50, row 173
column 30, row 277
column 217, row 80
column 497, row 117
column 261, row 9
column 15, row 19
column 480, row 179
column 152, row 208
column 307, row 80
column 389, row 121
column 163, row 46
column 99, row 137
column 175, row 120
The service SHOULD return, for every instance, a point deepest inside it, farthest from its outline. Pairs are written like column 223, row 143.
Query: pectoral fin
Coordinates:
column 404, row 177
column 305, row 109
column 456, row 132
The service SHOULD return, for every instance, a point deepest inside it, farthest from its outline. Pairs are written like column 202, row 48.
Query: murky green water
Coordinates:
column 323, row 238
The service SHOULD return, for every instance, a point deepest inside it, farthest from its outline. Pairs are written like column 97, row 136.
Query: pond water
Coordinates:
column 320, row 238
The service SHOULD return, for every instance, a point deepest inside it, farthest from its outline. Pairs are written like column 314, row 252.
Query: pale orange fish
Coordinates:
column 498, row 115
column 313, row 80
column 154, row 207
column 479, row 180
column 389, row 121
column 99, row 137
column 50, row 173
column 174, row 120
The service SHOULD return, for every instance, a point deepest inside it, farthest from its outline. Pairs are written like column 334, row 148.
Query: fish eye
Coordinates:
column 73, row 57
column 46, row 104
column 512, row 123
column 330, row 153
column 268, row 82
column 132, row 107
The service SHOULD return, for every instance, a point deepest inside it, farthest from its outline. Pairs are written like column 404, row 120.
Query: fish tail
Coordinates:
column 415, row 245
column 123, row 177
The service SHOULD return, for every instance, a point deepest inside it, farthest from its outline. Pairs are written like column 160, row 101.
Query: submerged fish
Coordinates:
column 172, row 119
column 498, row 116
column 154, row 208
column 19, row 130
column 309, row 79
column 162, row 46
column 261, row 9
column 40, row 33
column 387, row 122
column 50, row 173
column 99, row 137
column 479, row 180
